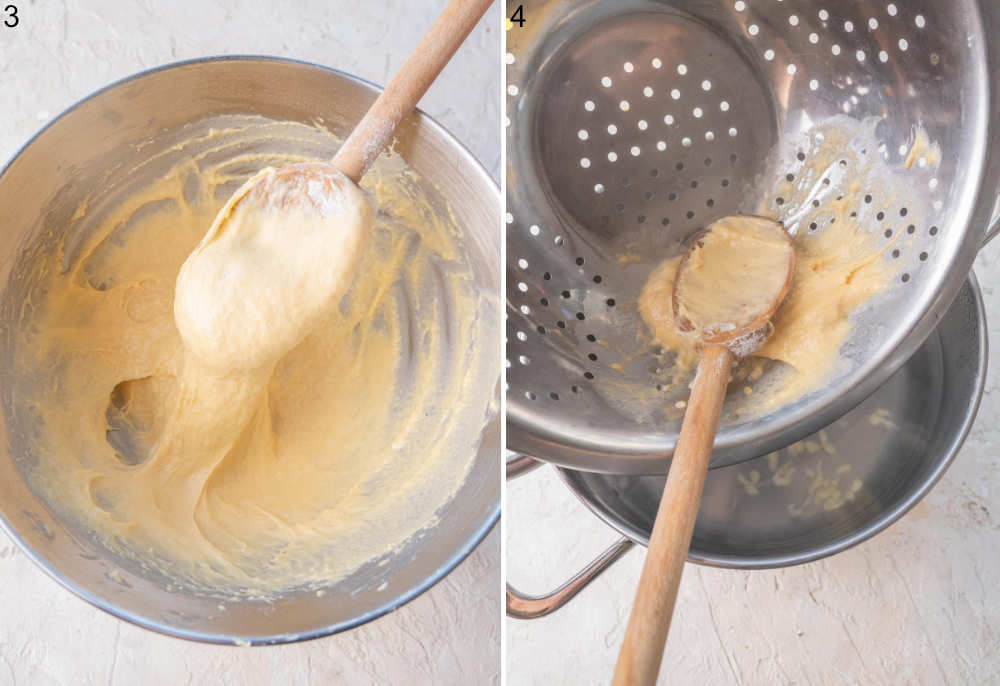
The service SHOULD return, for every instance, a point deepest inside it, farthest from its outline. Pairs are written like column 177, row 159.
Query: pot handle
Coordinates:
column 521, row 606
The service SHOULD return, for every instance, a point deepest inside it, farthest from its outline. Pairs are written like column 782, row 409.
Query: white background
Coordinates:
column 62, row 51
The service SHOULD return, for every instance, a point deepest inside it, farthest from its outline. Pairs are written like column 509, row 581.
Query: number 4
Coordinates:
column 518, row 16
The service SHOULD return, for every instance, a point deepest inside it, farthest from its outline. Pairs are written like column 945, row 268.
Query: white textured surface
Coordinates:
column 64, row 51
column 917, row 604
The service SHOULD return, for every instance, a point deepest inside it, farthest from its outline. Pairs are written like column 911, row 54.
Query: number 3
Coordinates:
column 11, row 21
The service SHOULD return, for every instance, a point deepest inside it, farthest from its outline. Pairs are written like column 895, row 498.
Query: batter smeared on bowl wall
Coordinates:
column 330, row 451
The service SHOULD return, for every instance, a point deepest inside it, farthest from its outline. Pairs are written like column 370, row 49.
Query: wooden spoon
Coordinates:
column 729, row 284
column 376, row 128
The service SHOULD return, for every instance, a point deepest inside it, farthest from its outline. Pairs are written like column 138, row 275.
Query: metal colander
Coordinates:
column 633, row 124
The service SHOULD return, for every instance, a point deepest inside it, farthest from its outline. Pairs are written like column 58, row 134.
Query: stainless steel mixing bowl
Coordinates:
column 95, row 140
column 826, row 493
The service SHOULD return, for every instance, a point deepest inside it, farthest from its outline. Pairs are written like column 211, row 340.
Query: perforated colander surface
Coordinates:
column 634, row 124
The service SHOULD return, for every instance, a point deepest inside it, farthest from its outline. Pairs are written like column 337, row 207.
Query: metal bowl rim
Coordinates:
column 457, row 557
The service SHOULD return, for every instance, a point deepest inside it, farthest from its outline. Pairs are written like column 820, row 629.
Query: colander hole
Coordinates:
column 694, row 184
column 725, row 183
column 648, row 195
column 739, row 6
column 902, row 211
column 910, row 229
column 579, row 260
column 598, row 278
column 880, row 216
column 895, row 253
column 868, row 198
column 813, row 38
column 682, row 69
column 842, row 164
column 654, row 173
column 891, row 9
column 561, row 324
column 591, row 337
column 791, row 69
column 824, row 15
column 706, row 85
column 690, row 214
column 628, row 67
column 592, row 357
column 558, row 240
column 661, row 145
column 581, row 316
column 753, row 29
column 522, row 263
column 612, row 156
column 598, row 188
column 521, row 336
column 612, row 129
column 675, row 94
column 860, row 55
column 512, row 89
column 835, row 49
column 697, row 112
column 575, row 389
column 610, row 302
column 547, row 276
column 659, row 387
column 789, row 177
column 793, row 20
column 582, row 134
column 635, row 150
column 672, row 196
column 679, row 166
column 686, row 142
column 642, row 124
column 588, row 375
column 904, row 278
column 903, row 44
column 769, row 54
column 826, row 182
column 888, row 233
column 724, row 105
column 525, row 309
column 813, row 84
column 606, row 81
column 523, row 287
column 657, row 63
column 665, row 221
column 554, row 395
column 524, row 359
column 873, row 23
column 624, row 106
column 933, row 230
column 565, row 294
column 710, row 203
column 509, row 217
column 779, row 200
column 529, row 395
column 812, row 226
column 585, row 163
column 815, row 203
column 932, row 184
column 733, row 157
column 647, row 91
column 544, row 302
column 668, row 120
column 920, row 21
column 801, row 156
column 883, row 56
column 641, row 219
column 848, row 26
column 923, row 256
column 589, row 106
column 541, row 329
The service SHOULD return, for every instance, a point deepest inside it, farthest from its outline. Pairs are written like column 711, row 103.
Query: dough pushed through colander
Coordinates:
column 633, row 125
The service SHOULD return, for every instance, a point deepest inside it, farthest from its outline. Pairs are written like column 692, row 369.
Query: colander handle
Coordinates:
column 521, row 606
column 994, row 228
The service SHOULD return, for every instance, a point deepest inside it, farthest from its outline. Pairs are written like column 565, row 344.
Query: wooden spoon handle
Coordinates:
column 646, row 634
column 399, row 98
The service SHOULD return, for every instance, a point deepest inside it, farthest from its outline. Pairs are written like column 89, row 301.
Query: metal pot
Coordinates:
column 802, row 503
column 89, row 144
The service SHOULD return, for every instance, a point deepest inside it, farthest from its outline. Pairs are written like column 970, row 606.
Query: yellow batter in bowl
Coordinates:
column 292, row 471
